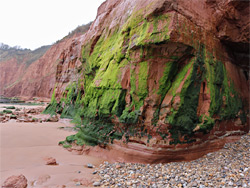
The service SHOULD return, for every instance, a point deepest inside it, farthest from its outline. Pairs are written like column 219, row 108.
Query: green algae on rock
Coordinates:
column 158, row 79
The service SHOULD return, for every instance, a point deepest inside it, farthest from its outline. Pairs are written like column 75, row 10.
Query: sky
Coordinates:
column 34, row 23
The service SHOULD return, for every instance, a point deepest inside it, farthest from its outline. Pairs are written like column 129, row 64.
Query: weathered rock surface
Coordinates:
column 35, row 78
column 166, row 80
column 15, row 182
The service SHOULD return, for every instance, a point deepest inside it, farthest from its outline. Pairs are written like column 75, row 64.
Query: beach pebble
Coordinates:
column 90, row 165
column 78, row 183
column 96, row 184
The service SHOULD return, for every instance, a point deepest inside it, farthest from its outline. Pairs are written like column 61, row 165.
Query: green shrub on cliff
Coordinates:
column 53, row 106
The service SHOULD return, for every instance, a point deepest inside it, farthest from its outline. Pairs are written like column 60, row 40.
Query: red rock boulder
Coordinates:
column 15, row 182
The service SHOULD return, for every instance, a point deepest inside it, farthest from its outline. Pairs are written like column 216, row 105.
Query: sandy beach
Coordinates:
column 25, row 146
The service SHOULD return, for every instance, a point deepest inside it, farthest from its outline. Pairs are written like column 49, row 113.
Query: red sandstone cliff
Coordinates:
column 220, row 24
column 116, row 68
column 24, row 78
column 34, row 80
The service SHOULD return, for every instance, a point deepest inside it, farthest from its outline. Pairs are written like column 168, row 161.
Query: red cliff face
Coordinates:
column 36, row 79
column 32, row 74
column 68, row 67
column 167, row 79
column 223, row 25
column 163, row 80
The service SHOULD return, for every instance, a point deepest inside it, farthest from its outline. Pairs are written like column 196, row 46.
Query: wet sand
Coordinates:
column 24, row 146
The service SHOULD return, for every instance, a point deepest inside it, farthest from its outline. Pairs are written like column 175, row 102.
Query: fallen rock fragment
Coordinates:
column 50, row 161
column 15, row 182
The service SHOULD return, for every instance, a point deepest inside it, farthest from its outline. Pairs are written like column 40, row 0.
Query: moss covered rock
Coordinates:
column 157, row 77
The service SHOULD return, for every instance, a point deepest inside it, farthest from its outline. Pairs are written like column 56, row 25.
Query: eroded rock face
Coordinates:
column 34, row 80
column 159, row 76
column 68, row 67
column 32, row 74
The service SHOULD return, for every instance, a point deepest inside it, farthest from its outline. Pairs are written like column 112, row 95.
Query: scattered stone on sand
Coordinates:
column 229, row 167
column 50, row 161
column 30, row 115
column 78, row 184
column 90, row 165
column 96, row 184
column 15, row 182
